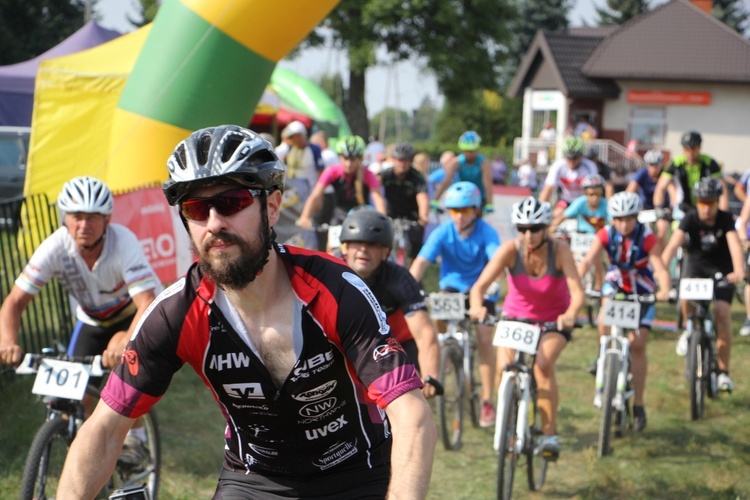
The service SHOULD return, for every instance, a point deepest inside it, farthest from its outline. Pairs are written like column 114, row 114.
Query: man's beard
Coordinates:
column 236, row 273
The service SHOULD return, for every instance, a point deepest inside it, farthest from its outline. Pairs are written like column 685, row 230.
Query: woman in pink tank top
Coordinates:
column 543, row 286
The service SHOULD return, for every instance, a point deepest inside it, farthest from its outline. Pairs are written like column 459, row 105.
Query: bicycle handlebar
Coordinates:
column 545, row 326
column 31, row 362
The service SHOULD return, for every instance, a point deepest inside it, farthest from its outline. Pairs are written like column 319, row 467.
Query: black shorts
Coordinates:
column 371, row 484
column 694, row 269
column 568, row 335
column 488, row 304
column 90, row 340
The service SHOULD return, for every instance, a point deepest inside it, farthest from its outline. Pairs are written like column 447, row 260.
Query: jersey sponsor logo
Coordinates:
column 313, row 365
column 264, row 452
column 336, row 454
column 114, row 290
column 318, row 408
column 318, row 393
column 357, row 282
column 251, row 390
column 384, row 350
column 136, row 268
column 326, row 414
column 229, row 361
column 330, row 428
column 130, row 358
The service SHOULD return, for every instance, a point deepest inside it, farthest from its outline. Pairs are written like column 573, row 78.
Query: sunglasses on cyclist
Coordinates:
column 463, row 210
column 226, row 203
column 534, row 229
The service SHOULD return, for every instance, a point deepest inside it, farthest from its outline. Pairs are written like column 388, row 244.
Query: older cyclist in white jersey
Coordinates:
column 567, row 175
column 100, row 264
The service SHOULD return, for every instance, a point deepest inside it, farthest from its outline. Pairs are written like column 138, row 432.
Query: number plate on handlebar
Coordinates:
column 448, row 306
column 61, row 379
column 622, row 313
column 334, row 236
column 517, row 335
column 581, row 242
column 697, row 288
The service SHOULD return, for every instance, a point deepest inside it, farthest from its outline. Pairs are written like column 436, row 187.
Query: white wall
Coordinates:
column 724, row 124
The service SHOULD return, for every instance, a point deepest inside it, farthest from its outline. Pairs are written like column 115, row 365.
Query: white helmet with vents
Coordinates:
column 85, row 194
column 623, row 204
column 531, row 211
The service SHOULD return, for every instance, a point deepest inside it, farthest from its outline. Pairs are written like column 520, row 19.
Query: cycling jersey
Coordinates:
column 688, row 175
column 589, row 221
column 345, row 190
column 327, row 417
column 462, row 259
column 629, row 258
column 398, row 294
column 707, row 246
column 104, row 293
column 537, row 298
column 472, row 172
column 568, row 179
column 647, row 186
column 401, row 194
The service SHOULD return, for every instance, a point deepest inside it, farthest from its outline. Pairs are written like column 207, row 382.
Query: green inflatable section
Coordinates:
column 307, row 97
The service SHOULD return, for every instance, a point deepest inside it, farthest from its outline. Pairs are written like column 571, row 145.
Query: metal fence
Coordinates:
column 24, row 224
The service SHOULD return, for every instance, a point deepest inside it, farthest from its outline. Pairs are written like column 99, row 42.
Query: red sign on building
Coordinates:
column 669, row 97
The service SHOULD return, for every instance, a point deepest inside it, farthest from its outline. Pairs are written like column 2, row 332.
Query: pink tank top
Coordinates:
column 541, row 298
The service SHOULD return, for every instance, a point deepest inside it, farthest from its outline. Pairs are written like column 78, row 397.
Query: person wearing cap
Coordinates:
column 405, row 191
column 320, row 400
column 304, row 161
column 470, row 165
column 366, row 241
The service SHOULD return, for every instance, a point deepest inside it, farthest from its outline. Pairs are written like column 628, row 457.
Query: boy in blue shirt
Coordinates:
column 465, row 244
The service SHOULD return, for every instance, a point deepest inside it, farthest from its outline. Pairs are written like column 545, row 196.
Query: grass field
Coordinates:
column 673, row 458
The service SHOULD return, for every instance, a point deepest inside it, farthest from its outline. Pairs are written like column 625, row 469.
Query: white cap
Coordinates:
column 294, row 128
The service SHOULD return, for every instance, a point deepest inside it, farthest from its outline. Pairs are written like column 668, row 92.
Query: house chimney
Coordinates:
column 704, row 5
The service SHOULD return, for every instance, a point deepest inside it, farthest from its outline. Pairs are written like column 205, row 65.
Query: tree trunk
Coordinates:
column 356, row 109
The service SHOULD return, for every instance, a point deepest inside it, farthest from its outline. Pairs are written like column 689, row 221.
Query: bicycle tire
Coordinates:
column 612, row 366
column 450, row 404
column 507, row 456
column 698, row 370
column 44, row 462
column 149, row 471
column 536, row 465
column 473, row 390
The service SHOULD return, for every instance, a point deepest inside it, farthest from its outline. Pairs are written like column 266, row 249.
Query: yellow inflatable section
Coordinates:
column 203, row 63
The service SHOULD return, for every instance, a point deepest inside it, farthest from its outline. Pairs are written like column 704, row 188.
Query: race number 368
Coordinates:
column 517, row 335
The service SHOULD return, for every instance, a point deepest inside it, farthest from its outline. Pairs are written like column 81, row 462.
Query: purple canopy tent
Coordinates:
column 17, row 80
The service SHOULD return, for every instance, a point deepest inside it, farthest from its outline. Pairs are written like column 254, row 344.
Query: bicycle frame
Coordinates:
column 457, row 332
column 616, row 342
column 517, row 372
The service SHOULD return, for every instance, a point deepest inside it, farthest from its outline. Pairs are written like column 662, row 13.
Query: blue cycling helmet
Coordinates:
column 463, row 194
column 469, row 141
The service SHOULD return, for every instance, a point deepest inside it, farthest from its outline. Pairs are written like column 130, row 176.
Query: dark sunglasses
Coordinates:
column 534, row 229
column 226, row 203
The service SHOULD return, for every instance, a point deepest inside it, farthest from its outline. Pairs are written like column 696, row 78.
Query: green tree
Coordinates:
column 29, row 28
column 621, row 11
column 733, row 14
column 494, row 117
column 147, row 13
column 534, row 15
column 397, row 125
column 423, row 120
column 462, row 42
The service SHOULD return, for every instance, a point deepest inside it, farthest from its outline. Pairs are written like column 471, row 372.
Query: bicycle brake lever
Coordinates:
column 439, row 390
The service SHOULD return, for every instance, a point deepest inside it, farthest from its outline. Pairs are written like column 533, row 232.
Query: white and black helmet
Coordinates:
column 217, row 155
column 654, row 157
column 85, row 194
column 531, row 211
column 623, row 204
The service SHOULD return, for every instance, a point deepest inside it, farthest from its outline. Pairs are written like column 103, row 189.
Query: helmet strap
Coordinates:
column 94, row 245
column 530, row 250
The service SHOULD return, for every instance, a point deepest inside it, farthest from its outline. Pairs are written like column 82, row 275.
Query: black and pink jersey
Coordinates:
column 328, row 416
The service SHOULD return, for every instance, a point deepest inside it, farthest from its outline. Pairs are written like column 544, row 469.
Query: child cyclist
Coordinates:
column 634, row 254
column 543, row 286
column 712, row 246
column 465, row 244
column 590, row 210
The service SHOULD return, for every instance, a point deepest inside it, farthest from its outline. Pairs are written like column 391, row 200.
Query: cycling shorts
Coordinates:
column 568, row 335
column 648, row 311
column 90, row 340
column 695, row 270
column 369, row 484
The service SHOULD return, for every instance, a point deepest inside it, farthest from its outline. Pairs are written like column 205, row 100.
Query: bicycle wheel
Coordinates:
column 44, row 463
column 450, row 404
column 612, row 366
column 148, row 470
column 698, row 370
column 507, row 456
column 474, row 389
column 536, row 466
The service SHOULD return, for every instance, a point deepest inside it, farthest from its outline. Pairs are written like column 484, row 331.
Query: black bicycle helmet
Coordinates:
column 691, row 139
column 707, row 187
column 369, row 226
column 219, row 155
column 404, row 151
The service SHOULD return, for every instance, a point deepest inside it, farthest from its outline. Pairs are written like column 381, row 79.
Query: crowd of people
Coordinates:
column 273, row 328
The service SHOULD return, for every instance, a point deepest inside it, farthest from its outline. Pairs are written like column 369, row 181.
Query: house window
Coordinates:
column 648, row 125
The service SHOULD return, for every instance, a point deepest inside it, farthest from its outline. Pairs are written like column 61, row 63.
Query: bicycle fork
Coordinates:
column 522, row 420
column 621, row 347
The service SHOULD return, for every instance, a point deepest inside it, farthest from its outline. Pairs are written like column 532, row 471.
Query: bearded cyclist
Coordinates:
column 567, row 174
column 471, row 166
